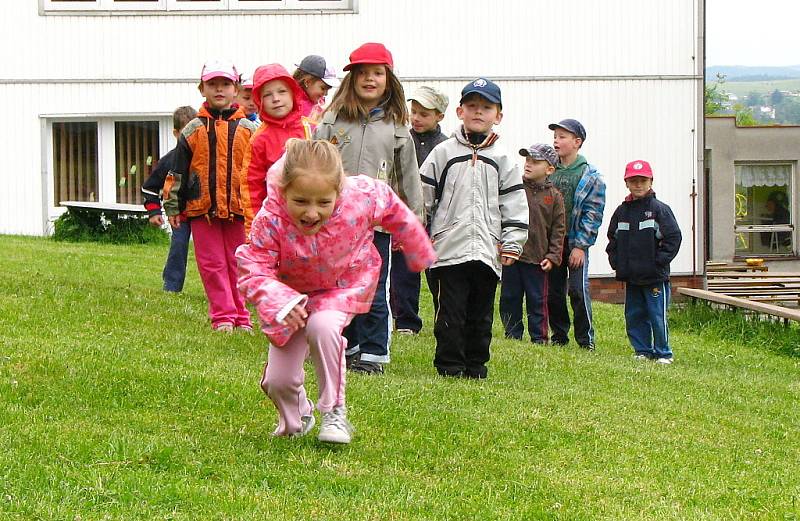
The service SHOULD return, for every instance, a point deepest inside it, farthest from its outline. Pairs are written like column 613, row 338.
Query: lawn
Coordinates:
column 117, row 402
column 743, row 88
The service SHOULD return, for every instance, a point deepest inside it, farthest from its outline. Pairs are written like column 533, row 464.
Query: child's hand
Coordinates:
column 174, row 221
column 156, row 220
column 506, row 261
column 296, row 318
column 576, row 258
column 546, row 265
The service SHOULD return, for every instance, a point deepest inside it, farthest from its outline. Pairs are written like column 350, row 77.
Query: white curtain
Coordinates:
column 763, row 175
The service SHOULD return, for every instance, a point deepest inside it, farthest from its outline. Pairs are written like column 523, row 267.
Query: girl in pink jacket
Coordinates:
column 310, row 267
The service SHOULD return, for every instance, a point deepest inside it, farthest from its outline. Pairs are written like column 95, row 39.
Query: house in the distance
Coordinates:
column 752, row 204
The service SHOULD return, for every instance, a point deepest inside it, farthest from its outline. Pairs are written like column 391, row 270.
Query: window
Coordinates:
column 104, row 159
column 192, row 5
column 764, row 209
column 75, row 161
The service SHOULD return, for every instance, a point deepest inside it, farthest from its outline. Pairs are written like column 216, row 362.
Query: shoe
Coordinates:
column 476, row 374
column 407, row 332
column 335, row 427
column 223, row 327
column 308, row 422
column 450, row 373
column 558, row 343
column 245, row 329
column 588, row 347
column 664, row 361
column 363, row 366
column 641, row 357
column 349, row 360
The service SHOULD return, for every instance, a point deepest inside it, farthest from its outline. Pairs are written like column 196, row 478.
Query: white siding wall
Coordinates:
column 625, row 68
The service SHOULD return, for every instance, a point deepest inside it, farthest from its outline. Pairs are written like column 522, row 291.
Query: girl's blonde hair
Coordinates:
column 312, row 156
column 346, row 105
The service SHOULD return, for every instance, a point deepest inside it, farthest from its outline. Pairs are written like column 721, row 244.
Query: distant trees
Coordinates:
column 776, row 97
column 754, row 99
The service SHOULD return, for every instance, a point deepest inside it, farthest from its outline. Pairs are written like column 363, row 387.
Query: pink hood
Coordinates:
column 276, row 71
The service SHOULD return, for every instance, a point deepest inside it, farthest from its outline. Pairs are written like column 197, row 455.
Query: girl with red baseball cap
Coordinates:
column 367, row 120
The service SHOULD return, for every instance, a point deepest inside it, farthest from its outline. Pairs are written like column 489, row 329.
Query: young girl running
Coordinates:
column 309, row 268
column 367, row 120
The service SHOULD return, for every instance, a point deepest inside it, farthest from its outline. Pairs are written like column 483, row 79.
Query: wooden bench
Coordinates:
column 763, row 308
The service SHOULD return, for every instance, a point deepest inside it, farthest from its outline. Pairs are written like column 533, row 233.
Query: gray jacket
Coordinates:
column 379, row 149
column 478, row 208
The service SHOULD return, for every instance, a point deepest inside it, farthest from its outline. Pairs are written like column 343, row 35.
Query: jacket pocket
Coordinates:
column 193, row 187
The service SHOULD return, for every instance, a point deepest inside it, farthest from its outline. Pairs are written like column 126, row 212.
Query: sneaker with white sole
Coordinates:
column 335, row 427
column 308, row 422
column 665, row 361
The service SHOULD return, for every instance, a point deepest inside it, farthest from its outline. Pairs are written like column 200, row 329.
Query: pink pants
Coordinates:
column 284, row 375
column 215, row 244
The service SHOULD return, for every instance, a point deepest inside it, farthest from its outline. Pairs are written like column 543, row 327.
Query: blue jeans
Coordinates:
column 646, row 319
column 370, row 334
column 174, row 272
column 523, row 279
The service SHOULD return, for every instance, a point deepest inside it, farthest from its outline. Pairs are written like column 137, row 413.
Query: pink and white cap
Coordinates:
column 219, row 69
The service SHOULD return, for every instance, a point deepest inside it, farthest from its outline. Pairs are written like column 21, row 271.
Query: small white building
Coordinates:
column 91, row 84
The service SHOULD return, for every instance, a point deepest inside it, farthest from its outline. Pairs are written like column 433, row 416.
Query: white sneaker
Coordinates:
column 335, row 427
column 665, row 361
column 308, row 423
column 641, row 357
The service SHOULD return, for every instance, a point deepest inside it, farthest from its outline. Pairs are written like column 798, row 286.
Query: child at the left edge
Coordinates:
column 174, row 273
column 246, row 99
column 643, row 238
column 206, row 186
column 309, row 268
column 367, row 121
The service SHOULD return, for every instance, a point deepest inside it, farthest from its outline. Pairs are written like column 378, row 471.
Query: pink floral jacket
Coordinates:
column 336, row 268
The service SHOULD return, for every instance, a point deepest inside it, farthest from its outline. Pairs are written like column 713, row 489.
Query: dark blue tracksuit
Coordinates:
column 405, row 284
column 643, row 238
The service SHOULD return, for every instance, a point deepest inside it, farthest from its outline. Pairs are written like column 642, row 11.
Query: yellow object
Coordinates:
column 754, row 262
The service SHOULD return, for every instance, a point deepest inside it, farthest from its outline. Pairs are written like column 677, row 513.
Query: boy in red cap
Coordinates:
column 643, row 238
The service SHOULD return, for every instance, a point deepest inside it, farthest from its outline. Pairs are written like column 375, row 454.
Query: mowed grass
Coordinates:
column 117, row 402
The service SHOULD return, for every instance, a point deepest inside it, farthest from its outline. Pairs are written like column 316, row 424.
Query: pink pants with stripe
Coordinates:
column 284, row 375
column 215, row 243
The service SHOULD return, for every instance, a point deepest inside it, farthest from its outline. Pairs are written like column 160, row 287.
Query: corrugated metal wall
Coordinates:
column 626, row 68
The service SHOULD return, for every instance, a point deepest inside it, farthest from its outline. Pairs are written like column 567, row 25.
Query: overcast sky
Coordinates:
column 750, row 32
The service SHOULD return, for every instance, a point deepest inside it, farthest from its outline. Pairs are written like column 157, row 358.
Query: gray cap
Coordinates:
column 430, row 98
column 541, row 152
column 316, row 66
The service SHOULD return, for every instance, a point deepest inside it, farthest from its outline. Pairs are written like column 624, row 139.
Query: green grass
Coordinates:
column 117, row 402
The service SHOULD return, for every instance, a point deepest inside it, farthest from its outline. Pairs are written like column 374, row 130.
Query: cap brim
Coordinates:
column 331, row 82
column 219, row 74
column 424, row 102
column 524, row 152
column 365, row 62
column 481, row 94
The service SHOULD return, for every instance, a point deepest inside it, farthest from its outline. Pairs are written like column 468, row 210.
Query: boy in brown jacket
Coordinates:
column 528, row 276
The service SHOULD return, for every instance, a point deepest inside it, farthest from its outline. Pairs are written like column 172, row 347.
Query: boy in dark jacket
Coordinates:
column 174, row 273
column 546, row 230
column 643, row 238
column 428, row 106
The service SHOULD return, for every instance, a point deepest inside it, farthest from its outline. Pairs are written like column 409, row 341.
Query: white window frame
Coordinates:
column 203, row 5
column 219, row 6
column 776, row 228
column 104, row 5
column 106, row 152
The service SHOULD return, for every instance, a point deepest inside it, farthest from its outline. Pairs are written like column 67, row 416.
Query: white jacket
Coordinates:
column 475, row 202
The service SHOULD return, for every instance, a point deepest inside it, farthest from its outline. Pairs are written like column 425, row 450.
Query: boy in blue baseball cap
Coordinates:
column 584, row 195
column 478, row 216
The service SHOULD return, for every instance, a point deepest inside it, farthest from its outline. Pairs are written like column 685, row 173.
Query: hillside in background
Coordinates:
column 736, row 73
